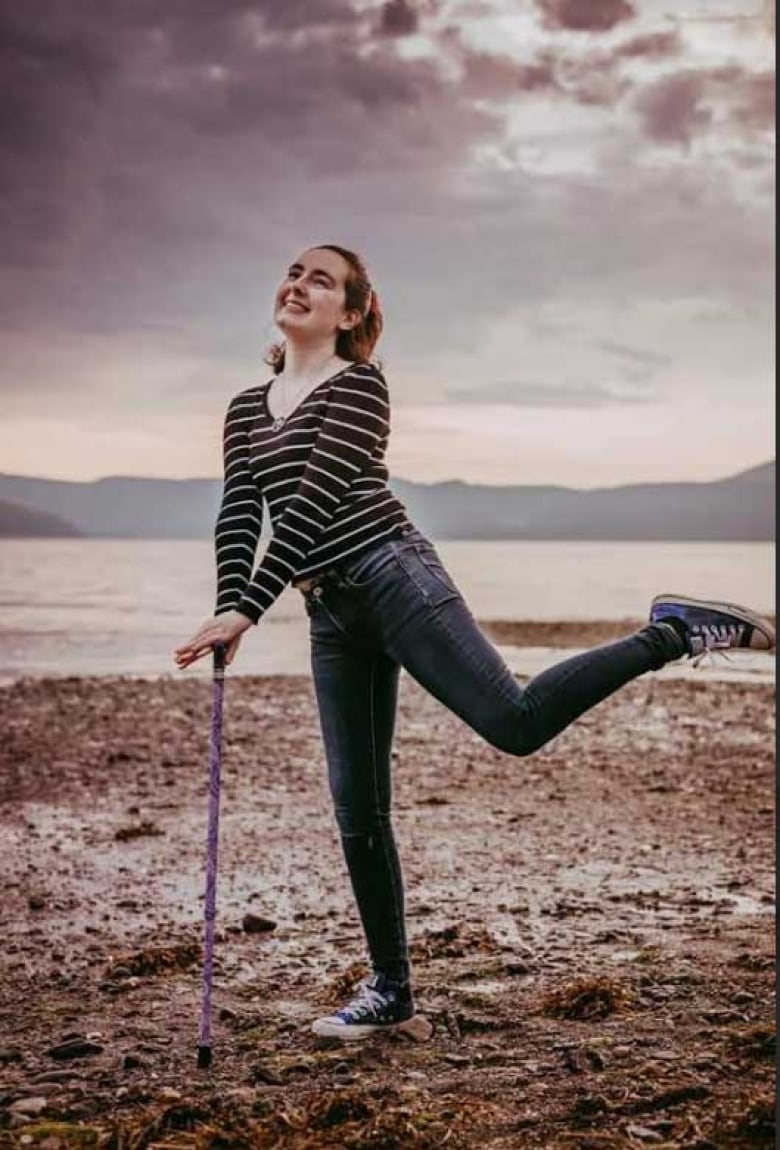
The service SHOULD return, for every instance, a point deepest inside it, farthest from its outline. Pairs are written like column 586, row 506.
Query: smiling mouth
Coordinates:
column 295, row 304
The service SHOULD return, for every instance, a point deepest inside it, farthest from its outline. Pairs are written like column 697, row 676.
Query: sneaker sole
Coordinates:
column 417, row 1028
column 742, row 613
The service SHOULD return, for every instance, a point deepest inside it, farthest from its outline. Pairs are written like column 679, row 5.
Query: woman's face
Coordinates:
column 309, row 304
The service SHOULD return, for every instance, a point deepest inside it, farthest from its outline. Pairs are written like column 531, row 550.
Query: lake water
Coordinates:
column 95, row 606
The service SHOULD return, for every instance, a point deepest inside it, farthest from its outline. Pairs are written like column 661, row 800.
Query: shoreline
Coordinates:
column 528, row 646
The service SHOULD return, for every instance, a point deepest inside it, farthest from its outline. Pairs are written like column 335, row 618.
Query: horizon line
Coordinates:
column 399, row 478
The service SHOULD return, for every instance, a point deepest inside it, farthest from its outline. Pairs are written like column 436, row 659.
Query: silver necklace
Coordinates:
column 280, row 420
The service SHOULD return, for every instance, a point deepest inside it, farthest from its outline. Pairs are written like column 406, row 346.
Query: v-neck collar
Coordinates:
column 304, row 398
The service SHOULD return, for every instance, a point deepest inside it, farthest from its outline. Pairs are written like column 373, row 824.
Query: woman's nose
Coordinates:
column 295, row 289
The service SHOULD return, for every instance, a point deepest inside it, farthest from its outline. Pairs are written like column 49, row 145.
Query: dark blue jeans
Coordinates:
column 396, row 606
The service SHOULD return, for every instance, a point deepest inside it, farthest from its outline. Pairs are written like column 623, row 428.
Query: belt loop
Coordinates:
column 334, row 576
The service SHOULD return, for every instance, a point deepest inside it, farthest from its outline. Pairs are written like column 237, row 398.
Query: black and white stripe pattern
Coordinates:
column 323, row 479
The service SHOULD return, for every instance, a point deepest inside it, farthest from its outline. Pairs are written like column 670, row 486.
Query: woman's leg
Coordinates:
column 356, row 688
column 430, row 631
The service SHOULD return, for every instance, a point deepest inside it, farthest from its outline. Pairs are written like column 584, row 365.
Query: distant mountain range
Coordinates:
column 739, row 508
column 17, row 520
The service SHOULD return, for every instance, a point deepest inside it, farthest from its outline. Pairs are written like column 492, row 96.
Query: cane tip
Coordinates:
column 204, row 1057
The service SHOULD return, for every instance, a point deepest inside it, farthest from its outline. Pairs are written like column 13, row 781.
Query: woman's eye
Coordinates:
column 318, row 280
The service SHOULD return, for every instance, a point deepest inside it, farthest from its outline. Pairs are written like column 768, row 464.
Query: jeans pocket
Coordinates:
column 363, row 570
column 426, row 570
column 324, row 618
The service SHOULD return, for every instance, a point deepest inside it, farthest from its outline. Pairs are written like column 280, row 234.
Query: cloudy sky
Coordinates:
column 566, row 207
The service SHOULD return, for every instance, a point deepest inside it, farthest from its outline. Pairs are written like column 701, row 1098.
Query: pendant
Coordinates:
column 277, row 424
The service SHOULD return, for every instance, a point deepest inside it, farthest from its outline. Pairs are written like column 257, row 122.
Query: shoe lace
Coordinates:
column 367, row 1002
column 709, row 642
column 713, row 646
column 720, row 636
column 709, row 657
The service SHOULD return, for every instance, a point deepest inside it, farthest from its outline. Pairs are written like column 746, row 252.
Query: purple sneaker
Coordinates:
column 714, row 626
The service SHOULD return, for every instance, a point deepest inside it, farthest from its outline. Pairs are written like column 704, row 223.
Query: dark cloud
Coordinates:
column 593, row 81
column 754, row 103
column 161, row 162
column 677, row 107
column 653, row 46
column 495, row 75
column 133, row 136
column 398, row 19
column 601, row 77
column 487, row 75
column 673, row 109
column 289, row 15
column 584, row 15
column 596, row 78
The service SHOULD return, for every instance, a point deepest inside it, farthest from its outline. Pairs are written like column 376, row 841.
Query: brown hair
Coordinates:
column 358, row 343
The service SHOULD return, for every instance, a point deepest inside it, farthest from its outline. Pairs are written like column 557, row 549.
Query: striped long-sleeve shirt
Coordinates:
column 322, row 476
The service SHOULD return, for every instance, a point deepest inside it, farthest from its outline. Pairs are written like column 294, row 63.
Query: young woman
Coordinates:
column 312, row 442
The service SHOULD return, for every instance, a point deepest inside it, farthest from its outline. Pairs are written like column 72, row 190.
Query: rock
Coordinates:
column 28, row 1107
column 260, row 1072
column 582, row 1059
column 644, row 1133
column 515, row 968
column 240, row 1096
column 121, row 972
column 256, row 924
column 743, row 997
column 36, row 902
column 74, row 1048
column 54, row 1076
column 137, row 831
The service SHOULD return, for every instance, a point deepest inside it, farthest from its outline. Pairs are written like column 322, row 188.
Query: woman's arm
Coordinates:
column 357, row 419
column 240, row 517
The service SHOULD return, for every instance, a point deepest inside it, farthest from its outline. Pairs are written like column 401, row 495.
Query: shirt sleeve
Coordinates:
column 356, row 420
column 240, row 516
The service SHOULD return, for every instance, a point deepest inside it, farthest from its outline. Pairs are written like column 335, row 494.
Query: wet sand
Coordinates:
column 592, row 927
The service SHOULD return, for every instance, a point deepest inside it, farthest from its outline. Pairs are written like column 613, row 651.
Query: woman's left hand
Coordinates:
column 219, row 629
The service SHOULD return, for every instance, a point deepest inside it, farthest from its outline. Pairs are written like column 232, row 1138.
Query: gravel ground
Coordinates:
column 592, row 927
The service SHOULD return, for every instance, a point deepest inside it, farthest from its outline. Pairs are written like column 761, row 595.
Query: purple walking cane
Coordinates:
column 212, row 842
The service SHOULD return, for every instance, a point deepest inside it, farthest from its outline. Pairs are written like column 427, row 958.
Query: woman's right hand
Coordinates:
column 224, row 629
column 231, row 649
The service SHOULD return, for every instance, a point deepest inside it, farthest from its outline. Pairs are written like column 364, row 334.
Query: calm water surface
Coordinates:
column 70, row 607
